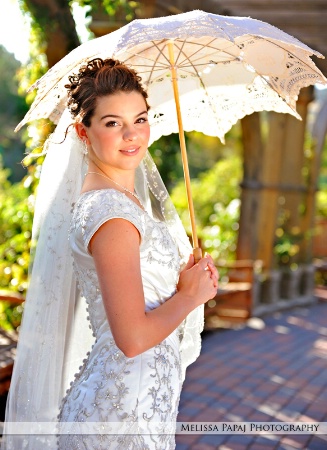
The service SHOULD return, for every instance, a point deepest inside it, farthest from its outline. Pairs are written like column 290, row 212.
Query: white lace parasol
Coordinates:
column 226, row 67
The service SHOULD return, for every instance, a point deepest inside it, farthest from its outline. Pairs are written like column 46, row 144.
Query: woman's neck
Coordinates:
column 123, row 178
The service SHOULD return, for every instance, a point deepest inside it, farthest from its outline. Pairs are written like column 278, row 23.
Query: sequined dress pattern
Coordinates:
column 109, row 386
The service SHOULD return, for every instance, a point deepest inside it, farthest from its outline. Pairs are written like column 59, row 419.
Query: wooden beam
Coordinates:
column 252, row 157
column 292, row 173
column 259, row 5
column 285, row 19
column 307, row 218
column 268, row 195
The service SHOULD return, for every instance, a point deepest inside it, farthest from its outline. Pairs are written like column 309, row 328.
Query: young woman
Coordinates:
column 133, row 264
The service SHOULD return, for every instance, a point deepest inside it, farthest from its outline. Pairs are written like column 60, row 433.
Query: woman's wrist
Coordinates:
column 186, row 301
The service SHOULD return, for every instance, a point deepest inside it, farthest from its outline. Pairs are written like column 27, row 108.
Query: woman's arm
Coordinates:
column 116, row 253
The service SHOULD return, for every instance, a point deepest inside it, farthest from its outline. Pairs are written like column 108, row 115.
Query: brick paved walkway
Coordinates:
column 278, row 373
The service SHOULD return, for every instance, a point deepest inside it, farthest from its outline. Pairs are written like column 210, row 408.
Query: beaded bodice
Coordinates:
column 159, row 257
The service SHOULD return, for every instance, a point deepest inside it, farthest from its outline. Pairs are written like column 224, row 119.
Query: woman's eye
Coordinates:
column 112, row 123
column 142, row 120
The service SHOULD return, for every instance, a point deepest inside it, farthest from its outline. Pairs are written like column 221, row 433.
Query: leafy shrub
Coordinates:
column 216, row 195
column 16, row 217
column 322, row 203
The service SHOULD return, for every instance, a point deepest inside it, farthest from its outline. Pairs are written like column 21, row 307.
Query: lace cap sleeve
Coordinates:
column 97, row 207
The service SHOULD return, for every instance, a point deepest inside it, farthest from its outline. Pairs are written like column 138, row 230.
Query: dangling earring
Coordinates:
column 85, row 149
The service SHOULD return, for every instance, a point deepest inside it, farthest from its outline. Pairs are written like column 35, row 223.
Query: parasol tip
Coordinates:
column 19, row 126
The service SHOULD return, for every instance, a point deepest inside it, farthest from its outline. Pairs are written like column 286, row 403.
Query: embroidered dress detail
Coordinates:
column 109, row 386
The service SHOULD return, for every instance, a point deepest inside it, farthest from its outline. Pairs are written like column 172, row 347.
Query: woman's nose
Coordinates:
column 129, row 134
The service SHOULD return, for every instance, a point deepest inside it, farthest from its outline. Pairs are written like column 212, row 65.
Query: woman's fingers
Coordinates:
column 211, row 263
column 207, row 266
column 213, row 270
column 203, row 263
column 208, row 256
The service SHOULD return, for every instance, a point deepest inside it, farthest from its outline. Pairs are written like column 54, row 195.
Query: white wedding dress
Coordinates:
column 109, row 386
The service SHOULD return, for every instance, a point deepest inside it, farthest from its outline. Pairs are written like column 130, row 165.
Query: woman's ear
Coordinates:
column 81, row 132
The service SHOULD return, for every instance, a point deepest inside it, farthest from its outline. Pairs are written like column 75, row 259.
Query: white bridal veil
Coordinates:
column 54, row 336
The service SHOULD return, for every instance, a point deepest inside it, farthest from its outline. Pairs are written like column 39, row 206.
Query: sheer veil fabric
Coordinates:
column 55, row 336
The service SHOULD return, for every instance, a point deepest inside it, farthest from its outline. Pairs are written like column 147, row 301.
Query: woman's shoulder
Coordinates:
column 94, row 208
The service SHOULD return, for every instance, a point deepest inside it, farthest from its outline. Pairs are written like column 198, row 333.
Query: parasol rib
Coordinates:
column 197, row 252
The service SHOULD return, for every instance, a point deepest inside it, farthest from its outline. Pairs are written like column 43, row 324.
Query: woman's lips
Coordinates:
column 130, row 151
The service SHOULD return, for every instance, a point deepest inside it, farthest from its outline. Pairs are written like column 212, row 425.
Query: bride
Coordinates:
column 127, row 263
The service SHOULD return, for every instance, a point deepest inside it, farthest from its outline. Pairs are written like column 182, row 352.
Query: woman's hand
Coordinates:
column 199, row 281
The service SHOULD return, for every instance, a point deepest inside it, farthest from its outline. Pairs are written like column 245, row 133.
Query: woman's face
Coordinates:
column 119, row 131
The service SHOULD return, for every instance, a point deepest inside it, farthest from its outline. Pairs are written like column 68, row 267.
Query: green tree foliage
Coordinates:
column 166, row 154
column 53, row 27
column 13, row 108
column 216, row 202
column 322, row 203
column 16, row 216
column 216, row 172
column 215, row 184
column 16, row 213
column 288, row 238
column 124, row 9
column 202, row 151
column 322, row 185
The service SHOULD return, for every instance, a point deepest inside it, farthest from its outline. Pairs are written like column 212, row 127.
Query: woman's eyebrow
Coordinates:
column 115, row 116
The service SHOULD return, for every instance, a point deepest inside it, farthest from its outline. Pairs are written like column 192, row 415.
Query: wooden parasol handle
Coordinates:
column 197, row 252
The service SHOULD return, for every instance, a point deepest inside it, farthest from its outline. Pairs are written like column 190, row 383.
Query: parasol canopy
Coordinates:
column 205, row 70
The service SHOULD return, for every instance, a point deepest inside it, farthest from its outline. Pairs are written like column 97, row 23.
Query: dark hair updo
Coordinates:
column 99, row 78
